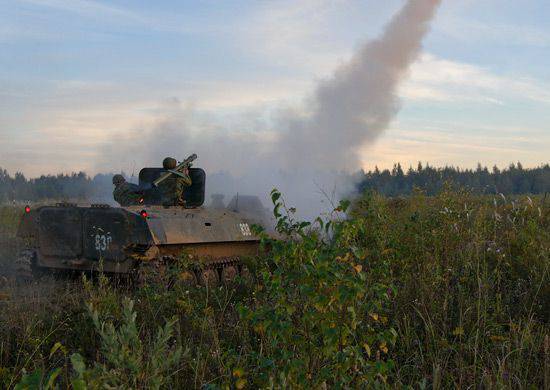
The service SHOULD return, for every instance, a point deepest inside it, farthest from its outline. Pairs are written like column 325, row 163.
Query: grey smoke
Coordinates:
column 357, row 103
column 303, row 152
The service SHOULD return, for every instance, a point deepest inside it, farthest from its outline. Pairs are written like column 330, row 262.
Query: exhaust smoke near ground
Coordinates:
column 306, row 152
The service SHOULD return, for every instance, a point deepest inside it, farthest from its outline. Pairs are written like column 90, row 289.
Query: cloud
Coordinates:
column 88, row 8
column 125, row 17
column 470, row 30
column 294, row 34
column 450, row 143
column 442, row 80
column 290, row 44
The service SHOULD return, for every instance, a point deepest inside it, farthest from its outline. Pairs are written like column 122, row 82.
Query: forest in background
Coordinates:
column 395, row 182
column 512, row 180
column 60, row 186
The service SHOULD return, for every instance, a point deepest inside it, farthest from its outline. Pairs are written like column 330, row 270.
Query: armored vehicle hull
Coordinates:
column 129, row 240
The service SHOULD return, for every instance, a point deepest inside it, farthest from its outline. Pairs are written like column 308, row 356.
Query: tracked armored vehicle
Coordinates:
column 139, row 239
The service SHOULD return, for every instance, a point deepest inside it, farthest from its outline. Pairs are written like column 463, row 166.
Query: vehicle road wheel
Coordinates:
column 229, row 274
column 24, row 266
column 188, row 278
column 209, row 277
column 245, row 273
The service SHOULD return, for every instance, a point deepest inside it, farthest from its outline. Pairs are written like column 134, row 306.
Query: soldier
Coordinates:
column 173, row 187
column 125, row 193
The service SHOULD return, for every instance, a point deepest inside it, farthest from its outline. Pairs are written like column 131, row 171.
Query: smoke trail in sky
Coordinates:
column 301, row 150
column 358, row 102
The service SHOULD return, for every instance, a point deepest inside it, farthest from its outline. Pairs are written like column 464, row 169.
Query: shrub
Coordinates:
column 126, row 362
column 316, row 319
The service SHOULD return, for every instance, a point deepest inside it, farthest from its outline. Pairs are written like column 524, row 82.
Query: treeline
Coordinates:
column 75, row 186
column 513, row 180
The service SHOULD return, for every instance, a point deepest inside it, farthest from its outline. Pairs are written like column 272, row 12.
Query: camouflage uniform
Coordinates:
column 172, row 189
column 126, row 194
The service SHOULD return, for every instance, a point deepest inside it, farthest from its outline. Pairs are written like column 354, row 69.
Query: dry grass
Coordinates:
column 470, row 307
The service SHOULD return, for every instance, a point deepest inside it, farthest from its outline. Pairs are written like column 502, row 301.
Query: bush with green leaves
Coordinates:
column 125, row 362
column 128, row 362
column 316, row 318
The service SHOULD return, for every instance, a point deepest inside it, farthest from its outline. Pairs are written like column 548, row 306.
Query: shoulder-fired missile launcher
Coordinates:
column 129, row 240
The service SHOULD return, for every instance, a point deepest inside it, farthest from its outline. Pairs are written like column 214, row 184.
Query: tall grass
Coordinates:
column 9, row 219
column 444, row 291
column 472, row 275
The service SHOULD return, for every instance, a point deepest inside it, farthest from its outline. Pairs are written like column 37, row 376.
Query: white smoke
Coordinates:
column 301, row 152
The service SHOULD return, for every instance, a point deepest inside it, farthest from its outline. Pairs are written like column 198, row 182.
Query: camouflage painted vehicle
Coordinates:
column 138, row 240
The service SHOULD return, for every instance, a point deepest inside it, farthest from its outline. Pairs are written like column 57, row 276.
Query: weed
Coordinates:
column 426, row 291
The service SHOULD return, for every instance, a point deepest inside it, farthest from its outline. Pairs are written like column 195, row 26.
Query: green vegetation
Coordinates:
column 430, row 291
column 512, row 180
column 60, row 187
column 9, row 219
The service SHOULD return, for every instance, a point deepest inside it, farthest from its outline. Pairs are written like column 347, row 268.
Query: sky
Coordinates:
column 77, row 75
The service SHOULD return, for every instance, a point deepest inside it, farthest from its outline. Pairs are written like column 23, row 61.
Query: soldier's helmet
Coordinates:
column 169, row 163
column 118, row 179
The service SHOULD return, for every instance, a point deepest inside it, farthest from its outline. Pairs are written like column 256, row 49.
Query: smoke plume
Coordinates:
column 354, row 106
column 303, row 150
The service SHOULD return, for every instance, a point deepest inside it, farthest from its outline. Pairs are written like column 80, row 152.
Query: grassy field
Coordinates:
column 9, row 217
column 449, row 291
